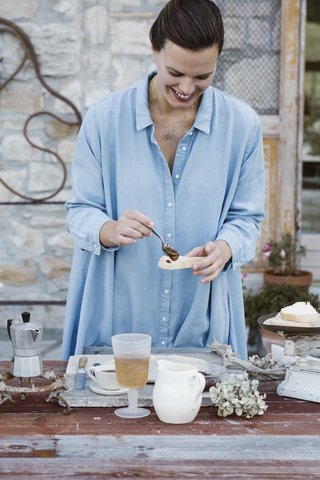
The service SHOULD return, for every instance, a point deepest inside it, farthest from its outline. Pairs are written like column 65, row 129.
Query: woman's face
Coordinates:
column 183, row 75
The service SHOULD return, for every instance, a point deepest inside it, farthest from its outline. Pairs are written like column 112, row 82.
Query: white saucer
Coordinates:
column 94, row 387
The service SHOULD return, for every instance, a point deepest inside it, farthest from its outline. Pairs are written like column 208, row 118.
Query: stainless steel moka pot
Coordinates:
column 26, row 342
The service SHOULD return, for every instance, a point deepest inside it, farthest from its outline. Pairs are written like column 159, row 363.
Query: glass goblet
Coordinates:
column 131, row 355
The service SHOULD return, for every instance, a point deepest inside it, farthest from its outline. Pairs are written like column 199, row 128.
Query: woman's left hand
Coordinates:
column 217, row 255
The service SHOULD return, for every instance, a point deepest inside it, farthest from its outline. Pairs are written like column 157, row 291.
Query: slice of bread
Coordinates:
column 183, row 262
column 300, row 312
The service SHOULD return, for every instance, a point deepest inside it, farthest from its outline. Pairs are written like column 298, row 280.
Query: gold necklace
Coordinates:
column 165, row 120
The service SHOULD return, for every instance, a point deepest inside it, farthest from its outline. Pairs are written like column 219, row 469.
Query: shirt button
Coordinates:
column 94, row 245
column 166, row 291
column 169, row 204
column 164, row 319
column 169, row 235
column 190, row 133
column 184, row 148
column 177, row 176
column 163, row 342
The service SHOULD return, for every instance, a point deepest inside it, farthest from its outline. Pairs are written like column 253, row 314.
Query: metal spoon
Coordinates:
column 168, row 250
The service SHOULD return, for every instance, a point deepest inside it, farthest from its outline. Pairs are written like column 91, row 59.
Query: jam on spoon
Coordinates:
column 171, row 252
column 166, row 248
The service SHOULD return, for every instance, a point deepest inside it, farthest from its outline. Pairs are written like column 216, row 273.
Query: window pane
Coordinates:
column 249, row 65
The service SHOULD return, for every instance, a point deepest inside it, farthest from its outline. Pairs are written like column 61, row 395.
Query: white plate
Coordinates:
column 94, row 387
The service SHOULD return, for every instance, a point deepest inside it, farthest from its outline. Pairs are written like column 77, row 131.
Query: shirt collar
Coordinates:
column 143, row 117
column 204, row 115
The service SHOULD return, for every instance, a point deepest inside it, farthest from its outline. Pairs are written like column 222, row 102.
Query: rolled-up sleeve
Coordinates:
column 86, row 211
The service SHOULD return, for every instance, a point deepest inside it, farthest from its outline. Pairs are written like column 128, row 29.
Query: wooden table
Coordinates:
column 38, row 441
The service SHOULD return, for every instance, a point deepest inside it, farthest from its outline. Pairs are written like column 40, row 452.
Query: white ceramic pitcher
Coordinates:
column 177, row 392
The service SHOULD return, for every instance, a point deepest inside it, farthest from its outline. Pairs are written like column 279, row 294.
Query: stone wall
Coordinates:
column 86, row 49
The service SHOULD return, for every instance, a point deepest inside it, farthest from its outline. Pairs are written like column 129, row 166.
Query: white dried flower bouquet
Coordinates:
column 237, row 394
column 269, row 361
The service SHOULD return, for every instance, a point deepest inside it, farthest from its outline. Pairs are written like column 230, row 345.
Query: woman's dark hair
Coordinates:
column 192, row 24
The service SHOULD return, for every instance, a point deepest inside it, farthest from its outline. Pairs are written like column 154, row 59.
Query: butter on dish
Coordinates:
column 299, row 314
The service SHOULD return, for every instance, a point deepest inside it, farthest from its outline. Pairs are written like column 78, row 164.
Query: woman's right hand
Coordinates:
column 131, row 225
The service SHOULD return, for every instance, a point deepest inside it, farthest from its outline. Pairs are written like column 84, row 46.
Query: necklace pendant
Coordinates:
column 167, row 136
column 173, row 139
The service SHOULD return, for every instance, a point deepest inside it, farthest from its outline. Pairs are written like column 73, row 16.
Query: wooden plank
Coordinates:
column 270, row 125
column 278, row 404
column 311, row 259
column 315, row 273
column 311, row 241
column 189, row 447
column 39, row 406
column 207, row 423
column 313, row 269
column 289, row 114
column 29, row 469
column 14, row 447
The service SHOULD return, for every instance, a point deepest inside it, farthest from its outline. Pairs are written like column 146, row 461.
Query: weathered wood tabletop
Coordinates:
column 38, row 441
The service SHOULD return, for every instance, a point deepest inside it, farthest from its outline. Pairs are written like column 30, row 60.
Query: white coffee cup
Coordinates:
column 104, row 376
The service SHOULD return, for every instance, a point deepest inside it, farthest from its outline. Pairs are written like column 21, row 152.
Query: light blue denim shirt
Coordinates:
column 216, row 191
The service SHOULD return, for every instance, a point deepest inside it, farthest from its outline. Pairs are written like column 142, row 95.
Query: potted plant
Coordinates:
column 270, row 299
column 283, row 258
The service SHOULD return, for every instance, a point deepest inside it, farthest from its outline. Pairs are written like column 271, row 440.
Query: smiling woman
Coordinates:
column 186, row 54
column 183, row 75
column 174, row 153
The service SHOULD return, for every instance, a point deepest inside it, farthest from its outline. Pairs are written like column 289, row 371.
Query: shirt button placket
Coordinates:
column 180, row 156
column 167, row 275
column 165, row 308
column 170, row 237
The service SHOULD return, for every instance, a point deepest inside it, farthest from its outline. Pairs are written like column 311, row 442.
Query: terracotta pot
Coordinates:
column 304, row 278
column 269, row 338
